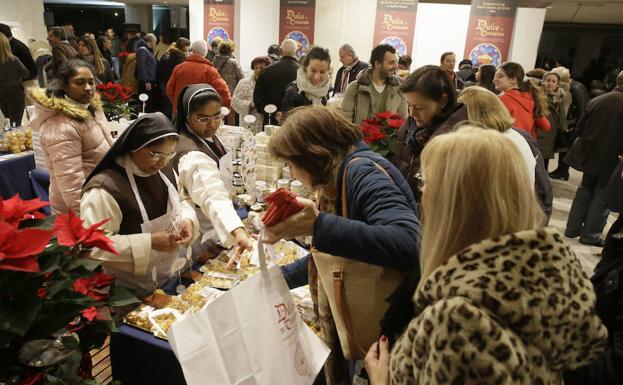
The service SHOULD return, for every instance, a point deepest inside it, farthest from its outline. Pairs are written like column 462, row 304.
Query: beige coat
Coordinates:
column 73, row 143
column 517, row 309
column 358, row 102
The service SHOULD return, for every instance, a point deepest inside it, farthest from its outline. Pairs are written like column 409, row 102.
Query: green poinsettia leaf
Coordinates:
column 49, row 262
column 88, row 264
column 6, row 338
column 19, row 313
column 54, row 316
column 43, row 224
column 71, row 296
column 57, row 286
column 383, row 151
column 392, row 143
column 120, row 296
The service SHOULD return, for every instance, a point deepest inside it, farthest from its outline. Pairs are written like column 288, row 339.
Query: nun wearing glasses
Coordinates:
column 201, row 163
column 148, row 220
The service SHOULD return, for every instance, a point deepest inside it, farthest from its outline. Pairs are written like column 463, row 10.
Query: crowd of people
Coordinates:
column 487, row 293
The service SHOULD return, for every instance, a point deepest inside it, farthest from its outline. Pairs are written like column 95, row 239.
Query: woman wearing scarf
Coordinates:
column 201, row 163
column 148, row 221
column 556, row 115
column 312, row 83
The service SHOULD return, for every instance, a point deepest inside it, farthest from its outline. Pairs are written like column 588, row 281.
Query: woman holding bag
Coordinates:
column 147, row 219
column 366, row 214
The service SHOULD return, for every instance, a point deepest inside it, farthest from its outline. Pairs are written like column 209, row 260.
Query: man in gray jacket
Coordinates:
column 376, row 89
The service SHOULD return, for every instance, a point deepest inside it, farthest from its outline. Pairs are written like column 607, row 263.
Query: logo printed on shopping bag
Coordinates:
column 300, row 362
column 286, row 317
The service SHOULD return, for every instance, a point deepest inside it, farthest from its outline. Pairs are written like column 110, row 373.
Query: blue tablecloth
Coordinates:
column 135, row 353
column 14, row 178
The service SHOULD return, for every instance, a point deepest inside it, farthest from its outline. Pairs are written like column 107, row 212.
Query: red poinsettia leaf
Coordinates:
column 27, row 264
column 94, row 237
column 100, row 241
column 68, row 229
column 15, row 244
column 13, row 210
column 81, row 285
column 383, row 115
column 395, row 123
column 89, row 313
column 100, row 279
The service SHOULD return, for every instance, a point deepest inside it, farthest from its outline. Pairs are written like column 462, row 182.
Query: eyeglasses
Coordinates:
column 207, row 119
column 419, row 181
column 160, row 156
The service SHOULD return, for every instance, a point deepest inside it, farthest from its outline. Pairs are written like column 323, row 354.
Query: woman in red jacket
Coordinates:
column 524, row 100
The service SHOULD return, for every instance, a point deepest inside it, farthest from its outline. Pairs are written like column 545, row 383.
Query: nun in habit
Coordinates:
column 204, row 168
column 148, row 221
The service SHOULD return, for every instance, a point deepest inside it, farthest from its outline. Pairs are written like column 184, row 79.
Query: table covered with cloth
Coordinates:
column 14, row 175
column 138, row 357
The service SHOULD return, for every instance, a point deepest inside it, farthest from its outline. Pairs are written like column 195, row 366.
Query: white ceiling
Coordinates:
column 564, row 11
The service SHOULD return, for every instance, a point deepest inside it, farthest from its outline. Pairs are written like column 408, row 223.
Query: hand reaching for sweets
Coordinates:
column 242, row 243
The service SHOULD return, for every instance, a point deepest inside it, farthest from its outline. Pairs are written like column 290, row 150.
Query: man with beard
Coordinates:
column 377, row 88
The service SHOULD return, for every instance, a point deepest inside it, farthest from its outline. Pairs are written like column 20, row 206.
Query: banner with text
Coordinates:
column 490, row 31
column 395, row 24
column 218, row 20
column 297, row 22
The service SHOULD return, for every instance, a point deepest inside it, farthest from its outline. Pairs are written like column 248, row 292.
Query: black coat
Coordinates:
column 601, row 136
column 293, row 98
column 579, row 101
column 21, row 51
column 357, row 68
column 272, row 83
column 608, row 283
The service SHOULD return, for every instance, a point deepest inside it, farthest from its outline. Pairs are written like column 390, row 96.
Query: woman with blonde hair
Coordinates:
column 12, row 72
column 485, row 108
column 501, row 300
column 90, row 53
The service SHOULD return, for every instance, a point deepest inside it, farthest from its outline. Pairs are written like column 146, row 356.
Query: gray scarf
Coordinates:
column 313, row 93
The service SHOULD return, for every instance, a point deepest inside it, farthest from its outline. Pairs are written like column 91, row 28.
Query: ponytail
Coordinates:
column 538, row 95
column 515, row 70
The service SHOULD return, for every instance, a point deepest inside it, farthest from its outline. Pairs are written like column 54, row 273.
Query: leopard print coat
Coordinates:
column 515, row 309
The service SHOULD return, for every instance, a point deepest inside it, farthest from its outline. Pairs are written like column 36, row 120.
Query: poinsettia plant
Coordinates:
column 115, row 99
column 380, row 132
column 55, row 304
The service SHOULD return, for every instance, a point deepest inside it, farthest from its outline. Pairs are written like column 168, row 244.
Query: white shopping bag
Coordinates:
column 251, row 335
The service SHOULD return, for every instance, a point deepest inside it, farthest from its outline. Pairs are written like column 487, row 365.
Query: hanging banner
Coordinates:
column 395, row 24
column 490, row 31
column 297, row 22
column 218, row 20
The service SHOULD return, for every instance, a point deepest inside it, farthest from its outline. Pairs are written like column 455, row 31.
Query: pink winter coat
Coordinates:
column 73, row 143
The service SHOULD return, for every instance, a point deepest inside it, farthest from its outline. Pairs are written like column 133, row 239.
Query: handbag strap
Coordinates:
column 339, row 290
column 356, row 351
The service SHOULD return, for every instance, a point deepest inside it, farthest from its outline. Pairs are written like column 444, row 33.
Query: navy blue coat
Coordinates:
column 382, row 227
column 145, row 63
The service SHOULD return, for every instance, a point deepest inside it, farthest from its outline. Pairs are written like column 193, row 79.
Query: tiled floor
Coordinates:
column 564, row 191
